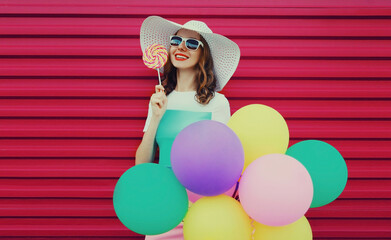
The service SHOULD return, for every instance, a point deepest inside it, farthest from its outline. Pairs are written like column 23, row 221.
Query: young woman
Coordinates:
column 200, row 63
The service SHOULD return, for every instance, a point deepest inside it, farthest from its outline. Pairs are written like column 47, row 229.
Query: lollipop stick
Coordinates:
column 158, row 73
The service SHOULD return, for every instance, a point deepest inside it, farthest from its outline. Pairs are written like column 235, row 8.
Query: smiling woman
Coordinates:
column 200, row 63
column 185, row 52
column 191, row 64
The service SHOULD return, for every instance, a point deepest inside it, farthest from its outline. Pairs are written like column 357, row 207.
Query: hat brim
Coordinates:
column 225, row 53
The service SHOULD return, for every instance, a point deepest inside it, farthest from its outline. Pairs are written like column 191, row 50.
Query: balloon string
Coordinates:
column 252, row 225
column 236, row 190
column 158, row 73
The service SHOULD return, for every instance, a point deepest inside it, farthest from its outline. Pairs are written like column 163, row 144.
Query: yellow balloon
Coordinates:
column 261, row 129
column 217, row 218
column 299, row 230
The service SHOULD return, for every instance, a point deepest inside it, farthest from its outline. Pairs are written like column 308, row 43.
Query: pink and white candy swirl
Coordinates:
column 155, row 56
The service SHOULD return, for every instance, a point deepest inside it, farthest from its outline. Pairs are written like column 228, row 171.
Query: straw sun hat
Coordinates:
column 225, row 53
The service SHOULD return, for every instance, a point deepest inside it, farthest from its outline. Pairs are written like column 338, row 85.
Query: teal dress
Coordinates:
column 172, row 122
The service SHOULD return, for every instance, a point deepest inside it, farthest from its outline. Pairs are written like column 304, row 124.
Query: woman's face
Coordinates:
column 180, row 56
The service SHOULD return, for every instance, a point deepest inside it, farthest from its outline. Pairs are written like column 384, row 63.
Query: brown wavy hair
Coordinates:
column 205, row 79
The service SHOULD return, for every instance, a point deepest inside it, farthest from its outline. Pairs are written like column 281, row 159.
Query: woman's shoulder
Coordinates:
column 219, row 100
column 219, row 97
column 221, row 109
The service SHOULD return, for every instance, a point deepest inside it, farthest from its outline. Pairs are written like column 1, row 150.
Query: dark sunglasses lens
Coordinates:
column 175, row 41
column 192, row 44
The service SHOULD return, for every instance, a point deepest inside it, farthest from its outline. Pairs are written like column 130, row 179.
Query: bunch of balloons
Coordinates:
column 210, row 160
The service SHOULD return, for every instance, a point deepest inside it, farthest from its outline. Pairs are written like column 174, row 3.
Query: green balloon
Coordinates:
column 148, row 199
column 326, row 167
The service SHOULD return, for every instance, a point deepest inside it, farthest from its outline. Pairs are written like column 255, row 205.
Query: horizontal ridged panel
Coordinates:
column 68, row 207
column 124, row 47
column 351, row 228
column 247, row 68
column 103, row 188
column 139, row 108
column 127, row 147
column 118, row 4
column 135, row 237
column 382, row 9
column 259, row 27
column 56, row 207
column 143, row 237
column 68, row 227
column 353, row 208
column 375, row 228
column 74, row 92
column 66, row 168
column 231, row 7
column 131, row 128
column 112, row 168
column 255, row 88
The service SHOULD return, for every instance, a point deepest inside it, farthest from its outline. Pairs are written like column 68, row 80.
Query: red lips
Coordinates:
column 180, row 59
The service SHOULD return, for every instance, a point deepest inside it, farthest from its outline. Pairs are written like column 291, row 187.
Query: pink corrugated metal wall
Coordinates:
column 74, row 95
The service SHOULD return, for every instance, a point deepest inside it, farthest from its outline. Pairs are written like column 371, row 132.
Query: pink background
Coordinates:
column 74, row 95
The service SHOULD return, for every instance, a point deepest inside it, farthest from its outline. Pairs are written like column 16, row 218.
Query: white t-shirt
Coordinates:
column 218, row 106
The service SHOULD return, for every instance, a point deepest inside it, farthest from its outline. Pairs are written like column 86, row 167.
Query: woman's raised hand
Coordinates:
column 159, row 102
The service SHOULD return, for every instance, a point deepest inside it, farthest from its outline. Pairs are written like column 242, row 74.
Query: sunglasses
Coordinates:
column 191, row 43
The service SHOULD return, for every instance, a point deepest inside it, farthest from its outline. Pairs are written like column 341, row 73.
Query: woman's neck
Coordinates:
column 185, row 80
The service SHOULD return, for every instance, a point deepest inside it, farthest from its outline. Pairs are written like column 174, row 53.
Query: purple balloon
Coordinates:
column 207, row 157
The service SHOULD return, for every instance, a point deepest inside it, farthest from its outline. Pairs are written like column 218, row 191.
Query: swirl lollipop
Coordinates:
column 155, row 56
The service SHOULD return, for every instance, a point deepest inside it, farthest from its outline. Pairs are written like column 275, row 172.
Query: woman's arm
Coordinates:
column 146, row 151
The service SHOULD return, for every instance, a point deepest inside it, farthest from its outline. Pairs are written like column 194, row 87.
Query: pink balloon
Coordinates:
column 276, row 190
column 193, row 197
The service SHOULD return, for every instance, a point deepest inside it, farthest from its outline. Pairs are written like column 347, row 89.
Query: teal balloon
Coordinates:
column 326, row 167
column 148, row 199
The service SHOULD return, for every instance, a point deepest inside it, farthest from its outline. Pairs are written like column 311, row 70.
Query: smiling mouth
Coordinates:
column 180, row 57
